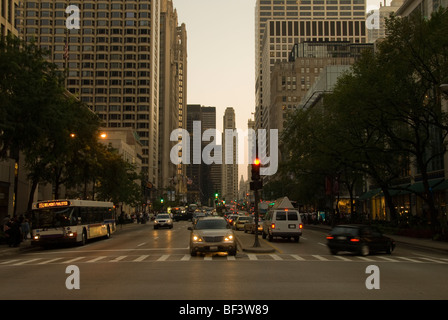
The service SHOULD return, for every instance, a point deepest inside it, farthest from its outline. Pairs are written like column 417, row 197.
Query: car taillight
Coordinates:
column 330, row 237
column 273, row 226
column 300, row 226
column 354, row 240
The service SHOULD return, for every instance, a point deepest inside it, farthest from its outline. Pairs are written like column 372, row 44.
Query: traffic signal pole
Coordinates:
column 255, row 185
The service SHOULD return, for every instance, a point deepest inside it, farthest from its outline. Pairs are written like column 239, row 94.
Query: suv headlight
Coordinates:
column 196, row 238
column 228, row 238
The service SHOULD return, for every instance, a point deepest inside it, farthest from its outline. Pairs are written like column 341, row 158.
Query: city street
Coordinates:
column 138, row 262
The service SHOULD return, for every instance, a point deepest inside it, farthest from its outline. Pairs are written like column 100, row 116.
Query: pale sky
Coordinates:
column 221, row 54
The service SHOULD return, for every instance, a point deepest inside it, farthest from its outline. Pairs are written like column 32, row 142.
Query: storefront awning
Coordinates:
column 419, row 188
column 441, row 186
column 370, row 194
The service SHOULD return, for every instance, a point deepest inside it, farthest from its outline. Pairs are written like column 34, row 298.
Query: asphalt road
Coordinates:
column 138, row 262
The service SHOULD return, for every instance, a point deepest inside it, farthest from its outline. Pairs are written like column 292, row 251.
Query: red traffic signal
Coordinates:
column 256, row 170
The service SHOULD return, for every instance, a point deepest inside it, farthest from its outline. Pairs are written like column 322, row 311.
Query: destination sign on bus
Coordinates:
column 52, row 204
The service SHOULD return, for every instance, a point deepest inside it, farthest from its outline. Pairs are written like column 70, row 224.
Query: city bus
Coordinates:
column 73, row 221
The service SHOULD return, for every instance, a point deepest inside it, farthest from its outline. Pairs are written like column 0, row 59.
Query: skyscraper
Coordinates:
column 205, row 179
column 8, row 10
column 229, row 150
column 111, row 61
column 281, row 24
column 173, row 98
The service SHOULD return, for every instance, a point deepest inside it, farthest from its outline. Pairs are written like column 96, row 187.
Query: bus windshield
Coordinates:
column 54, row 218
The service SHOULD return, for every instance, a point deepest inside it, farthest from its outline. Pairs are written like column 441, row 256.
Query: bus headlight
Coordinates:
column 36, row 237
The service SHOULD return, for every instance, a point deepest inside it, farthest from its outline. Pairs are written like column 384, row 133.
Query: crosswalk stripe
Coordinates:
column 320, row 258
column 409, row 259
column 343, row 258
column 26, row 261
column 73, row 260
column 50, row 261
column 252, row 257
column 141, row 258
column 366, row 259
column 208, row 258
column 164, row 257
column 275, row 257
column 186, row 257
column 432, row 260
column 231, row 258
column 387, row 259
column 118, row 259
column 96, row 259
column 299, row 258
column 8, row 261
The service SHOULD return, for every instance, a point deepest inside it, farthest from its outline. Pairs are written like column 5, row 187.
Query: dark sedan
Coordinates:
column 360, row 239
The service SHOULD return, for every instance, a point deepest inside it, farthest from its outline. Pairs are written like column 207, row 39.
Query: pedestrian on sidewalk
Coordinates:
column 13, row 232
column 25, row 225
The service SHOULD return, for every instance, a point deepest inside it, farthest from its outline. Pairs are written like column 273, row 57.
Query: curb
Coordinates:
column 260, row 249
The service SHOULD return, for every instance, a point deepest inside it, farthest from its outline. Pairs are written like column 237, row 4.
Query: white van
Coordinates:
column 283, row 220
column 283, row 223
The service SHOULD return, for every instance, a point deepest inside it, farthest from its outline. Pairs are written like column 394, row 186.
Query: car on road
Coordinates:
column 163, row 220
column 196, row 216
column 360, row 239
column 240, row 221
column 231, row 218
column 212, row 234
column 250, row 226
column 284, row 223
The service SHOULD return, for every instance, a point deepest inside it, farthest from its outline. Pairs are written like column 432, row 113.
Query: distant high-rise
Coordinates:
column 204, row 179
column 229, row 170
column 111, row 61
column 281, row 24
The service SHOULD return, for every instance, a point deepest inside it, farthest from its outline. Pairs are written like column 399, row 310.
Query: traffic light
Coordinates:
column 161, row 200
column 256, row 170
column 216, row 194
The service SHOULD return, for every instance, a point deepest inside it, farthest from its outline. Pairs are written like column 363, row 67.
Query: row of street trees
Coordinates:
column 384, row 119
column 56, row 134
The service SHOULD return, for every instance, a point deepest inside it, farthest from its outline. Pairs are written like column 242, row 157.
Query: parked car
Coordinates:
column 163, row 220
column 360, row 239
column 212, row 234
column 250, row 226
column 240, row 221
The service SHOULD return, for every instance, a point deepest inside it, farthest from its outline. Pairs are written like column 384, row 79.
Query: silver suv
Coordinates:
column 212, row 234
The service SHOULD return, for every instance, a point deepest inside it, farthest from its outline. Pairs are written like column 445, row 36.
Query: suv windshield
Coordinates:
column 163, row 216
column 211, row 224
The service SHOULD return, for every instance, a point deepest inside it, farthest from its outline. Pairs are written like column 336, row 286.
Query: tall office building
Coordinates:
column 204, row 179
column 173, row 100
column 111, row 61
column 8, row 22
column 281, row 24
column 229, row 150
